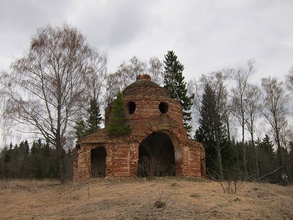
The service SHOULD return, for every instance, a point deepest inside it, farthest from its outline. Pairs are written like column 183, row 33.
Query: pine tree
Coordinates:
column 118, row 125
column 267, row 145
column 176, row 86
column 209, row 121
column 35, row 160
column 94, row 119
column 80, row 128
column 268, row 160
column 23, row 154
column 42, row 161
column 211, row 132
column 91, row 123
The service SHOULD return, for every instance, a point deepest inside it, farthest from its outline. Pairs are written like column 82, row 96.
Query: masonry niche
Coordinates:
column 156, row 156
column 98, row 162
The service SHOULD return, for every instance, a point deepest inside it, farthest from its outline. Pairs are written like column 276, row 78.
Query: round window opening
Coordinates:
column 131, row 107
column 163, row 106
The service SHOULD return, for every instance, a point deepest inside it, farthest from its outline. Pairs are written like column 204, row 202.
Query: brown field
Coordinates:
column 160, row 198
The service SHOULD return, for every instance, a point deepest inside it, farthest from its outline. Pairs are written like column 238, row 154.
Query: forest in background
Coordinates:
column 58, row 89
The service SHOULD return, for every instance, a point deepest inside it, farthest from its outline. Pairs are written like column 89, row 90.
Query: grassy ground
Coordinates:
column 161, row 198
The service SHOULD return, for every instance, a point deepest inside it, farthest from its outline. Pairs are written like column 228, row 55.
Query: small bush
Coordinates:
column 159, row 204
column 118, row 125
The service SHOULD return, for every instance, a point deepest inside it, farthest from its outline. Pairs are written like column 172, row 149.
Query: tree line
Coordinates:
column 37, row 160
column 57, row 89
column 226, row 102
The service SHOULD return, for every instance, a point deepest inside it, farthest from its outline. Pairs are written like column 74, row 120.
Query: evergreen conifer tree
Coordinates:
column 267, row 145
column 118, row 125
column 91, row 123
column 268, row 160
column 94, row 119
column 212, row 134
column 80, row 128
column 176, row 86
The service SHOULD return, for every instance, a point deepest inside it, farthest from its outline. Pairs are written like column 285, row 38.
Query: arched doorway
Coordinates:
column 156, row 156
column 98, row 162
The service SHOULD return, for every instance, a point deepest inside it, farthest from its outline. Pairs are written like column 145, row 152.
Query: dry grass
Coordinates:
column 161, row 198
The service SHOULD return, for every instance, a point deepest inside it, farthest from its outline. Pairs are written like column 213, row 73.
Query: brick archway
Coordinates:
column 157, row 155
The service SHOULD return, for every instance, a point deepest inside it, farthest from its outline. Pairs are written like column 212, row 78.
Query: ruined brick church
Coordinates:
column 157, row 145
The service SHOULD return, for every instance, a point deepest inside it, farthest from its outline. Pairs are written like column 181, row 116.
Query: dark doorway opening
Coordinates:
column 98, row 162
column 156, row 156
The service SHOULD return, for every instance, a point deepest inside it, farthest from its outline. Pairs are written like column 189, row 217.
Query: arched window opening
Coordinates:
column 163, row 106
column 131, row 107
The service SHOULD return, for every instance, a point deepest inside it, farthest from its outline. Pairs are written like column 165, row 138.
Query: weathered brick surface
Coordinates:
column 123, row 152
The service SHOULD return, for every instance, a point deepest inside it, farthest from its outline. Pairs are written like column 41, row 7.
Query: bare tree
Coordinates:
column 124, row 76
column 155, row 70
column 132, row 70
column 97, row 75
column 253, row 106
column 217, row 81
column 274, row 110
column 289, row 80
column 239, row 100
column 48, row 87
column 214, row 85
column 128, row 72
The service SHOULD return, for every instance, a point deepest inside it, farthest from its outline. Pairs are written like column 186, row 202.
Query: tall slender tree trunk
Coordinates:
column 255, row 155
column 219, row 155
column 220, row 164
column 244, row 149
column 279, row 149
column 60, row 158
column 59, row 145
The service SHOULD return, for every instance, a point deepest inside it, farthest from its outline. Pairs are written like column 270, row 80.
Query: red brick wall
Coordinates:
column 122, row 153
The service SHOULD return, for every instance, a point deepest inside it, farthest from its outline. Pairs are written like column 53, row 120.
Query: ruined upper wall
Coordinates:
column 143, row 86
column 146, row 100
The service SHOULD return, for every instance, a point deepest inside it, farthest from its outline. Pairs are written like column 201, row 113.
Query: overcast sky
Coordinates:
column 206, row 35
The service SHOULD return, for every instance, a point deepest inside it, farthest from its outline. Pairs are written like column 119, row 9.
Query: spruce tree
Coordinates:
column 118, row 125
column 91, row 123
column 268, row 160
column 80, row 128
column 212, row 134
column 267, row 145
column 94, row 119
column 176, row 86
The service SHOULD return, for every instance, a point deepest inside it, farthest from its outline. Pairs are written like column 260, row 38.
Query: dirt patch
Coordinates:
column 160, row 198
